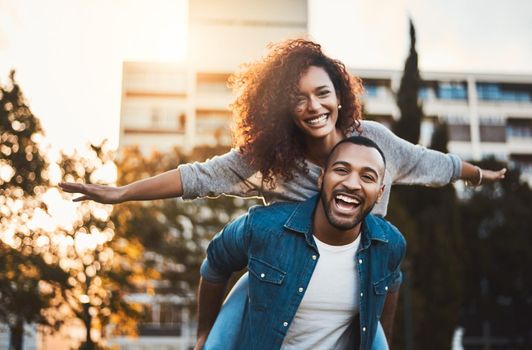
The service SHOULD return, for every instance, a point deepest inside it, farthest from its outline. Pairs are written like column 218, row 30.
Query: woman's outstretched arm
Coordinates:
column 165, row 185
column 225, row 174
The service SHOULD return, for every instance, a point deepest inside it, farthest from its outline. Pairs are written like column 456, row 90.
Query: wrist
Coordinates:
column 477, row 180
column 122, row 194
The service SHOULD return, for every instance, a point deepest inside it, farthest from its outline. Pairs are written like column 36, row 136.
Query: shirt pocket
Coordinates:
column 382, row 286
column 265, row 283
column 265, row 272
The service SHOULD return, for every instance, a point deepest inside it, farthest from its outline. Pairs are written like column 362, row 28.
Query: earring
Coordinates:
column 339, row 106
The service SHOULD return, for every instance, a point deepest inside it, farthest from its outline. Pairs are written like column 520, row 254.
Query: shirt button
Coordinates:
column 262, row 275
column 386, row 288
column 314, row 257
column 285, row 324
column 363, row 329
column 361, row 294
column 360, row 261
column 300, row 289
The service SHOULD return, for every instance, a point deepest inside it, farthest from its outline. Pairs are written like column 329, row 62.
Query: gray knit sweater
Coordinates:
column 406, row 163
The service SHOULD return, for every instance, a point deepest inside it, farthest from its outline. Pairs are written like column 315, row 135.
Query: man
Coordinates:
column 321, row 271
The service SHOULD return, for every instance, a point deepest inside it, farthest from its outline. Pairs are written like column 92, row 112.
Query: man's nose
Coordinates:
column 352, row 182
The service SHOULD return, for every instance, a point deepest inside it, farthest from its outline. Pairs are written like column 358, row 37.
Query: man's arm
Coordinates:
column 226, row 254
column 210, row 298
column 388, row 315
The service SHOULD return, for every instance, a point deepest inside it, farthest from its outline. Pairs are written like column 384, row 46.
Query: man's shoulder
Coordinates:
column 275, row 214
column 386, row 230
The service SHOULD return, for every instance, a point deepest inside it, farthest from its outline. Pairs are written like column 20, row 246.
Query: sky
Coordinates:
column 68, row 54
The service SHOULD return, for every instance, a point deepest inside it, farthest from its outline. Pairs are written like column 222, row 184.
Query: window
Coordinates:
column 424, row 93
column 492, row 133
column 161, row 319
column 519, row 128
column 500, row 92
column 492, row 129
column 370, row 90
column 452, row 91
column 459, row 132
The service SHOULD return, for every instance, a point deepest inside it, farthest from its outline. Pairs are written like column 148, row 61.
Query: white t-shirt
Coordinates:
column 330, row 302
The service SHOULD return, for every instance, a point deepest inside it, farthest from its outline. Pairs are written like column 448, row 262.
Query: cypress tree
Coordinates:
column 408, row 126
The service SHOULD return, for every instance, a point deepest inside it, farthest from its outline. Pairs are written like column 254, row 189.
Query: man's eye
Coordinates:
column 368, row 177
column 340, row 170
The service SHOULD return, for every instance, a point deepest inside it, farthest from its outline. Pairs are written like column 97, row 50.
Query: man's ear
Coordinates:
column 381, row 192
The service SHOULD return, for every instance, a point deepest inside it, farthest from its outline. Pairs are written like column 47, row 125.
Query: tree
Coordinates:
column 103, row 267
column 497, row 232
column 434, row 243
column 408, row 126
column 30, row 281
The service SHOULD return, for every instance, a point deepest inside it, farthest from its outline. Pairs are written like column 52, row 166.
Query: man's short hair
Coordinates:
column 356, row 140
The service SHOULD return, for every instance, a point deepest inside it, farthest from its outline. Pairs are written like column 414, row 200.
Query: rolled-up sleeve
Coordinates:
column 227, row 252
column 227, row 174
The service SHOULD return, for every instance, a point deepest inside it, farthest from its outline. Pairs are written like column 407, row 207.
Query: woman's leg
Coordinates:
column 225, row 332
column 380, row 342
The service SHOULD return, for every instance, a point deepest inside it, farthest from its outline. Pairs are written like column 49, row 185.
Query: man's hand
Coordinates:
column 388, row 315
column 200, row 341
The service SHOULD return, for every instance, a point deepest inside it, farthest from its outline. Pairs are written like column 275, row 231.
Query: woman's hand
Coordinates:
column 489, row 176
column 475, row 176
column 165, row 185
column 98, row 193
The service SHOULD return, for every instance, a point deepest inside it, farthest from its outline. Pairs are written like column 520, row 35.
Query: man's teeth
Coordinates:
column 318, row 120
column 347, row 199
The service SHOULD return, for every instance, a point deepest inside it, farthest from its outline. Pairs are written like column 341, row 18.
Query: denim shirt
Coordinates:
column 276, row 244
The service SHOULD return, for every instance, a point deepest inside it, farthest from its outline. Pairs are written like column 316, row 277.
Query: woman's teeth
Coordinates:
column 318, row 120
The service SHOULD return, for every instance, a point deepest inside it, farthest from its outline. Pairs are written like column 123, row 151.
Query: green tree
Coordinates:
column 30, row 281
column 434, row 243
column 497, row 232
column 408, row 126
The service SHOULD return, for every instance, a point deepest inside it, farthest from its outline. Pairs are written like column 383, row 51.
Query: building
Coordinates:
column 181, row 105
column 486, row 114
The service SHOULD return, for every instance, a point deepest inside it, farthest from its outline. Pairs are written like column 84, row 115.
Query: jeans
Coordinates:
column 225, row 331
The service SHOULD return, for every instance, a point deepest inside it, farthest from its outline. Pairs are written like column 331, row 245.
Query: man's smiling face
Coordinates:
column 351, row 184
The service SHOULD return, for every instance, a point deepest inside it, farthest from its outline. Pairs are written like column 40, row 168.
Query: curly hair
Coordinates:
column 266, row 92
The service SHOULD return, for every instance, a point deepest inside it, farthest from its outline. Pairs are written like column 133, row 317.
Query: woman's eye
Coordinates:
column 324, row 93
column 301, row 101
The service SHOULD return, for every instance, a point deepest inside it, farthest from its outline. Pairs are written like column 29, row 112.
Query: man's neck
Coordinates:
column 329, row 234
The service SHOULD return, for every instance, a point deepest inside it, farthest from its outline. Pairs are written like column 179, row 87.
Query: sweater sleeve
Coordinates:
column 413, row 164
column 227, row 174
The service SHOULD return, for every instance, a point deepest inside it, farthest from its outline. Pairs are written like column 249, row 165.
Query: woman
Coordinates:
column 291, row 108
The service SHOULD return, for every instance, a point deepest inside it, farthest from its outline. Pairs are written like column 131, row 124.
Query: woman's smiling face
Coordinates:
column 316, row 108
